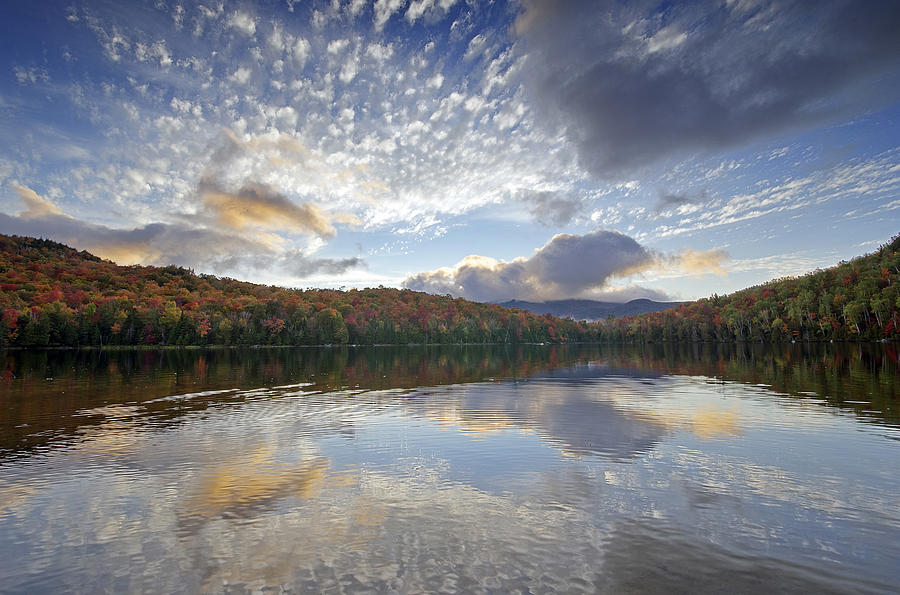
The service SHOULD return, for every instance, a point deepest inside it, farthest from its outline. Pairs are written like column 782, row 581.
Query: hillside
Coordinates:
column 590, row 310
column 855, row 300
column 51, row 295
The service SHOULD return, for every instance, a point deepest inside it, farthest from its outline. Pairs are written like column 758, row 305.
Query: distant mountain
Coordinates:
column 590, row 309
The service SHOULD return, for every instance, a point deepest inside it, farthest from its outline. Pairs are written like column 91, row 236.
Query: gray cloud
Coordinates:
column 207, row 249
column 154, row 244
column 567, row 266
column 304, row 266
column 668, row 201
column 631, row 86
column 551, row 208
column 293, row 263
column 630, row 292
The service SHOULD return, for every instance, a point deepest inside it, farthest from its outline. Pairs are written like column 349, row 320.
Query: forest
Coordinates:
column 53, row 295
column 855, row 300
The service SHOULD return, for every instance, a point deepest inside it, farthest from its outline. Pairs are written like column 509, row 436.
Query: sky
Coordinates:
column 529, row 149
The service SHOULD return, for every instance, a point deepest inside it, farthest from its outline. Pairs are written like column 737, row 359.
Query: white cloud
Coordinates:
column 779, row 265
column 301, row 52
column 417, row 8
column 337, row 46
column 872, row 180
column 287, row 117
column 241, row 75
column 30, row 75
column 243, row 22
column 277, row 40
column 666, row 38
column 476, row 46
column 178, row 16
column 155, row 51
column 355, row 7
column 474, row 103
column 380, row 52
column 114, row 43
column 428, row 9
column 349, row 69
column 384, row 9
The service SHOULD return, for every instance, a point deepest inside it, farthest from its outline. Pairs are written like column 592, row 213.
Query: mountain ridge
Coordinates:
column 54, row 295
column 590, row 310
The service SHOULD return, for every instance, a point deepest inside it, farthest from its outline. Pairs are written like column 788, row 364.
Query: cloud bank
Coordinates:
column 631, row 85
column 219, row 250
column 567, row 266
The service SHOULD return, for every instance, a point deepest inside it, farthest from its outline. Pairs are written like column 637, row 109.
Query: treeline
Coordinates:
column 856, row 300
column 52, row 295
column 859, row 377
column 85, row 379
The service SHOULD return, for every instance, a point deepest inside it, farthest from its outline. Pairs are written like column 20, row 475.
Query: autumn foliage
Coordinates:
column 51, row 294
column 855, row 300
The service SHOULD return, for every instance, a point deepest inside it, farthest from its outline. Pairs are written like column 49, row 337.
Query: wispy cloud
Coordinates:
column 874, row 180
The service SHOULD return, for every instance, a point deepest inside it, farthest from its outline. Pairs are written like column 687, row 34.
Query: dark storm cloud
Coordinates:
column 573, row 263
column 631, row 85
column 565, row 266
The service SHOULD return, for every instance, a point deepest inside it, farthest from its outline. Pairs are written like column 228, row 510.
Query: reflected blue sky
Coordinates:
column 593, row 479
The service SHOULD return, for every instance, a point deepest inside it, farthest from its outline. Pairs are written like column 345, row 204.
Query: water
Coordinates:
column 475, row 469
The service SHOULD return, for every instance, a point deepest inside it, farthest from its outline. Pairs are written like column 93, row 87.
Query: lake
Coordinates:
column 670, row 469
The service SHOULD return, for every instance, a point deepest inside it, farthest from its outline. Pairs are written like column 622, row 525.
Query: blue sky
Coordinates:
column 493, row 150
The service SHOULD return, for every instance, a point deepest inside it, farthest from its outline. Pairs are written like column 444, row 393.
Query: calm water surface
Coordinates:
column 528, row 469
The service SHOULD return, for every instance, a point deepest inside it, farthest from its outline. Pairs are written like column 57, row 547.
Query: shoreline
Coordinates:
column 356, row 345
